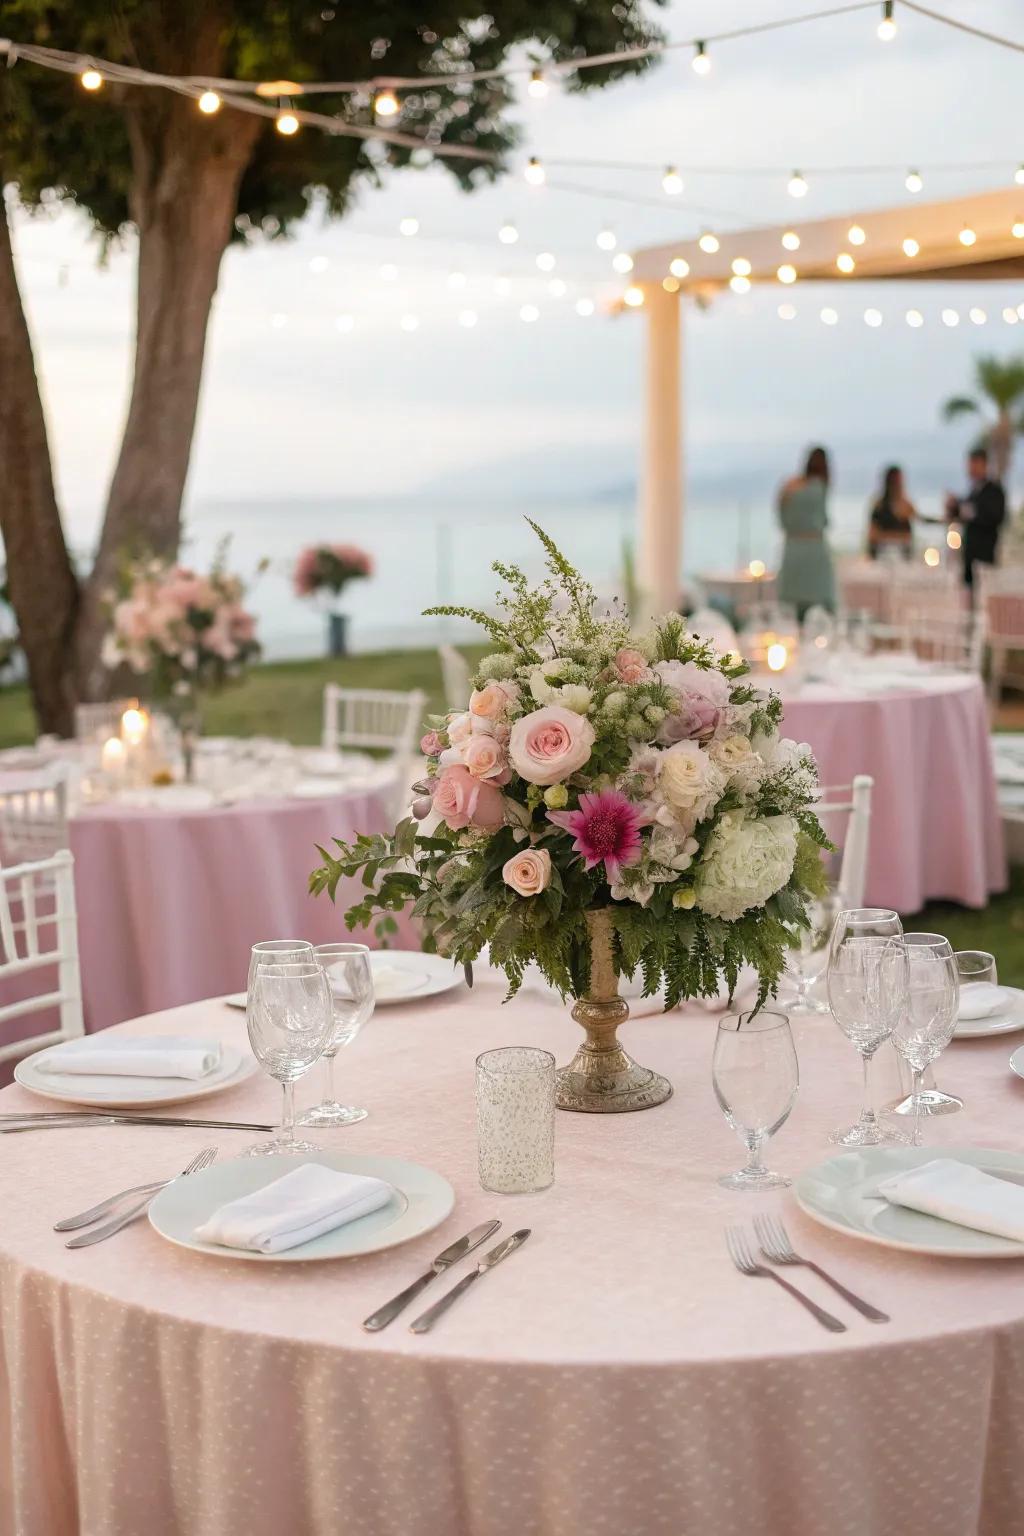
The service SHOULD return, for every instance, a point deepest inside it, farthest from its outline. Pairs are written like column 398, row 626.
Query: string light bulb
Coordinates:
column 791, row 240
column 1010, row 316
column 787, row 311
column 534, row 172
column 606, row 240
column 584, row 307
column 701, row 61
column 672, row 182
column 931, row 557
column 887, row 25
column 385, row 104
column 708, row 243
column 503, row 287
column 538, row 86
column 456, row 280
column 950, row 318
column 408, row 227
column 467, row 318
column 287, row 123
column 410, row 323
column 786, row 273
column 670, row 284
column 914, row 181
column 633, row 296
column 829, row 316
column 915, row 319
column 546, row 261
column 557, row 288
column 977, row 316
column 741, row 267
column 910, row 247
column 622, row 262
column 845, row 263
column 529, row 313
column 855, row 234
column 209, row 103
column 508, row 234
column 873, row 317
column 91, row 80
column 797, row 185
column 967, row 236
column 1018, row 230
column 679, row 267
column 1018, row 175
column 739, row 284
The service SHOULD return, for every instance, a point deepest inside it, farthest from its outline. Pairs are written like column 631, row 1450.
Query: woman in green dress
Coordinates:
column 806, row 579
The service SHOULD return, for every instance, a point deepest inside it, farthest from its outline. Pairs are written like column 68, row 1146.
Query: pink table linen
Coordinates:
column 936, row 832
column 617, row 1376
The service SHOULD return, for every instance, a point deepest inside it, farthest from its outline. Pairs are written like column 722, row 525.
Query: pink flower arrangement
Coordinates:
column 183, row 629
column 329, row 567
column 606, row 829
column 464, row 801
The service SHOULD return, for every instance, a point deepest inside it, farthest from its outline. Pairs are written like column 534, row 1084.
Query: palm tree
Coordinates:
column 1000, row 386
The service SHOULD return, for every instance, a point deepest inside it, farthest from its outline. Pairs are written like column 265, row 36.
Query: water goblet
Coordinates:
column 350, row 979
column 277, row 952
column 806, row 965
column 977, row 966
column 289, row 1018
column 928, row 1018
column 866, row 991
column 755, row 1075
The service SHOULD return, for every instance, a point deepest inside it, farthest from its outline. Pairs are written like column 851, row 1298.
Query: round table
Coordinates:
column 616, row 1376
column 936, row 831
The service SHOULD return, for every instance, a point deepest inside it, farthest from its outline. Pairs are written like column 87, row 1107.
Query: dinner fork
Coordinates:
column 98, row 1234
column 95, row 1212
column 739, row 1252
column 775, row 1245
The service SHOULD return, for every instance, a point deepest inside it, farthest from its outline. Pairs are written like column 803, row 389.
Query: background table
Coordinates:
column 617, row 1376
column 935, row 825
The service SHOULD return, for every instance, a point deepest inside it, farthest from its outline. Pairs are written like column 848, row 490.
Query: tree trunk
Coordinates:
column 41, row 582
column 186, row 172
column 1000, row 442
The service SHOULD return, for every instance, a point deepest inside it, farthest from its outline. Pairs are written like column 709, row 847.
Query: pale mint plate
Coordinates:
column 117, row 1092
column 841, row 1193
column 421, row 1201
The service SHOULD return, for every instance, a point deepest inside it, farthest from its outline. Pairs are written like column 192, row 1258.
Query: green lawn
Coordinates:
column 284, row 699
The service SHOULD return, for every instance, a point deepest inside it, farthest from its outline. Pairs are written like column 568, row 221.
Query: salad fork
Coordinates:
column 774, row 1243
column 86, row 1218
column 739, row 1252
column 98, row 1234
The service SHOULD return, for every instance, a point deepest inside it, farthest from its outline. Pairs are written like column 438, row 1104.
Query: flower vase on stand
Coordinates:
column 337, row 630
column 189, row 722
column 602, row 1078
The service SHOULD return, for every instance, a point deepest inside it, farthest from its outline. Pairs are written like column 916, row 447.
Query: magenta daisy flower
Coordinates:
column 606, row 829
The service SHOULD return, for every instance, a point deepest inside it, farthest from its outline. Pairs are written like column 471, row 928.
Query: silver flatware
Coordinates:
column 427, row 1319
column 15, row 1124
column 100, row 1234
column 739, row 1252
column 451, row 1255
column 97, row 1212
column 774, row 1243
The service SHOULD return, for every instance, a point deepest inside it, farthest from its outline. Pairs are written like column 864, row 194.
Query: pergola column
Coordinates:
column 661, row 472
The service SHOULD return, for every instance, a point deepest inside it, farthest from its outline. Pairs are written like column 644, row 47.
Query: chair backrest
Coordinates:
column 455, row 677
column 365, row 717
column 33, row 817
column 35, row 899
column 1003, row 606
column 954, row 639
column 98, row 722
column 854, row 802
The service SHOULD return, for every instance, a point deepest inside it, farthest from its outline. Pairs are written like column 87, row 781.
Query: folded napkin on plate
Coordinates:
column 395, row 981
column 150, row 1056
column 980, row 998
column 293, row 1209
column 961, row 1194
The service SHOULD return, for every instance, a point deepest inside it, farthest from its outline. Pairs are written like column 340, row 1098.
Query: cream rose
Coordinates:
column 738, row 761
column 484, row 757
column 529, row 872
column 689, row 781
column 745, row 862
column 459, row 727
column 550, row 744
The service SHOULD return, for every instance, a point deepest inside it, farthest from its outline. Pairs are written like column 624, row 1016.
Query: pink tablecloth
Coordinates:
column 170, row 903
column 616, row 1377
column 935, row 826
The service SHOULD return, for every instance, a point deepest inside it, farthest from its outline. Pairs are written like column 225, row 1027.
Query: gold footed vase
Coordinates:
column 602, row 1079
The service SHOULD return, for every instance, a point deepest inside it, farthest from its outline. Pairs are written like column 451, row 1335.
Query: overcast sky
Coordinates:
column 294, row 406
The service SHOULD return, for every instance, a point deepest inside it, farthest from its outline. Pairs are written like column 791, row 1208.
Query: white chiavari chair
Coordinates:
column 38, row 931
column 33, row 816
column 455, row 677
column 845, row 812
column 357, row 718
column 951, row 639
column 98, row 722
column 1001, row 598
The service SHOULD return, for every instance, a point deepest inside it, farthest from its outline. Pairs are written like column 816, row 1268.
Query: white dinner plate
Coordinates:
column 132, row 1092
column 238, row 1000
column 421, row 1201
column 407, row 975
column 1005, row 1021
column 840, row 1193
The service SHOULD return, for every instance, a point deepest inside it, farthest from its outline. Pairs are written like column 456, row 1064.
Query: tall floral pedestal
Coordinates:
column 602, row 1078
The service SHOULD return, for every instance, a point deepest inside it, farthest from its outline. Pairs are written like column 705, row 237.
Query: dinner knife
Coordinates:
column 427, row 1319
column 451, row 1255
column 61, row 1122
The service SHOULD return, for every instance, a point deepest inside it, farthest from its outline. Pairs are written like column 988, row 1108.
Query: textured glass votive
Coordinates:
column 515, row 1119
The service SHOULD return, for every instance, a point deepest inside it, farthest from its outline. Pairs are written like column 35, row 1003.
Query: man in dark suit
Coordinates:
column 981, row 514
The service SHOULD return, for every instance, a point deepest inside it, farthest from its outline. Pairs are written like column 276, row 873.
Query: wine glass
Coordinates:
column 755, row 1075
column 350, row 979
column 289, row 1016
column 277, row 952
column 806, row 966
column 928, row 1018
column 866, row 991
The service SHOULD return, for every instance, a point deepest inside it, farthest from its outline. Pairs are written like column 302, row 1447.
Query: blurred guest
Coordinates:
column 981, row 514
column 806, row 578
column 889, row 523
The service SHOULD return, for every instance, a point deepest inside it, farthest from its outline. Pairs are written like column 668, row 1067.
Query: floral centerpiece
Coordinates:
column 607, row 802
column 327, row 569
column 187, row 633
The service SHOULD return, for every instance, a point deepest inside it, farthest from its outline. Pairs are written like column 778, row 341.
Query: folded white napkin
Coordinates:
column 961, row 1194
column 294, row 1209
column 395, row 981
column 149, row 1056
column 980, row 998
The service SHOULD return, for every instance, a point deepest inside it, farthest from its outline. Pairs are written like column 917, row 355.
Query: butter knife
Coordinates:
column 427, row 1319
column 451, row 1255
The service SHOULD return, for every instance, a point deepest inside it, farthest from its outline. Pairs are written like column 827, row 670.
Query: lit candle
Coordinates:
column 134, row 725
column 112, row 757
column 776, row 656
column 756, row 569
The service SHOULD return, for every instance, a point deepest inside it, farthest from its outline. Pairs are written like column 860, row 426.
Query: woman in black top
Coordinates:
column 889, row 525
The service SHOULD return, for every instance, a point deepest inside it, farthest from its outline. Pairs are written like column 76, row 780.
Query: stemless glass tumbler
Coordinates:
column 515, row 1115
column 867, row 989
column 755, row 1075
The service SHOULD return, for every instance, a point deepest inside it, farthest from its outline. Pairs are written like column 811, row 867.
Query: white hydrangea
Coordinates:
column 745, row 862
column 672, row 850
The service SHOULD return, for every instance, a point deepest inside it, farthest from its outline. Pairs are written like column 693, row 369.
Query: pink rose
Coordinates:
column 550, row 744
column 631, row 667
column 463, row 801
column 528, row 872
column 430, row 744
column 492, row 702
column 459, row 727
column 702, row 694
column 484, row 757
